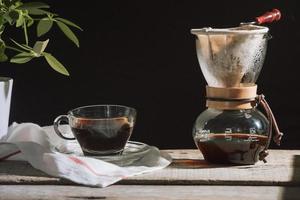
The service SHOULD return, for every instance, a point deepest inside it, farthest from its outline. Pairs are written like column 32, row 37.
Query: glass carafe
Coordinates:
column 231, row 136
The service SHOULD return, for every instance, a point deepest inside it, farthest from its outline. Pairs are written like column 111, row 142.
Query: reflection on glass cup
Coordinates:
column 99, row 129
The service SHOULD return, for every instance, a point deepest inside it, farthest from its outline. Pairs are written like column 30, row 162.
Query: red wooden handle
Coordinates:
column 269, row 17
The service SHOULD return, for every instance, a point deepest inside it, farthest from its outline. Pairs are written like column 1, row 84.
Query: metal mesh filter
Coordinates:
column 231, row 57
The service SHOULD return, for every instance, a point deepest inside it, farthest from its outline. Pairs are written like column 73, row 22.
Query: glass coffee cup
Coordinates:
column 99, row 129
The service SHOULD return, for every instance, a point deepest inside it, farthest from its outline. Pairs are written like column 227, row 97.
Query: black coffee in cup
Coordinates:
column 107, row 136
column 99, row 129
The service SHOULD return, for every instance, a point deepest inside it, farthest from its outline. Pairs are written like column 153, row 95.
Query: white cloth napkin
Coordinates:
column 40, row 147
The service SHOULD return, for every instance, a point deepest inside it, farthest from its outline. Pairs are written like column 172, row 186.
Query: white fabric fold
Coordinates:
column 36, row 145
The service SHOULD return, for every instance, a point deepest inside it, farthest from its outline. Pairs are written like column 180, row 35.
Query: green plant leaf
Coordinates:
column 33, row 5
column 8, row 3
column 37, row 11
column 68, row 22
column 21, row 58
column 68, row 32
column 25, row 33
column 25, row 47
column 7, row 18
column 44, row 26
column 2, row 28
column 20, row 21
column 40, row 46
column 14, row 14
column 55, row 64
column 3, row 56
column 30, row 21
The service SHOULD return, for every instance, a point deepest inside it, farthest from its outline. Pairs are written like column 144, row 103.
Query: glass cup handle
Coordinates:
column 56, row 124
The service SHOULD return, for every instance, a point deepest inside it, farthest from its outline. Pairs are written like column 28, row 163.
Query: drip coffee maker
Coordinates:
column 232, row 129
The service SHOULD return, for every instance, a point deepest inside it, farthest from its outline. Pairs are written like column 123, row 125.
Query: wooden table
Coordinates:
column 188, row 177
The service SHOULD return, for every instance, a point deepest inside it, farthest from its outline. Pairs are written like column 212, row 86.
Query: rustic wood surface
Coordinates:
column 188, row 168
column 158, row 192
column 189, row 177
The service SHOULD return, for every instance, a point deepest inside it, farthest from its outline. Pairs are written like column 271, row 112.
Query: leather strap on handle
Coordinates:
column 260, row 100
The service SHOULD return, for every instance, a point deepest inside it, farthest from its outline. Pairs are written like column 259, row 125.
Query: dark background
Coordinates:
column 141, row 54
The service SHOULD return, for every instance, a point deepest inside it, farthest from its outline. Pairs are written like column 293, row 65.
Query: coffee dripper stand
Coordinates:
column 232, row 129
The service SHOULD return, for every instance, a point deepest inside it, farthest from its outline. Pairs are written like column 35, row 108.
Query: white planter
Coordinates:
column 5, row 96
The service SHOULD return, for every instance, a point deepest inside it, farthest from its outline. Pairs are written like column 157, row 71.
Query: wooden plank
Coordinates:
column 126, row 192
column 21, row 172
column 188, row 168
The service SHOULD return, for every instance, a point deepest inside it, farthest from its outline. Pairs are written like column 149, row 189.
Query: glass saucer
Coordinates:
column 133, row 151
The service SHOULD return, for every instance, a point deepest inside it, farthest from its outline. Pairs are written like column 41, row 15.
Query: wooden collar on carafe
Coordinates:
column 231, row 98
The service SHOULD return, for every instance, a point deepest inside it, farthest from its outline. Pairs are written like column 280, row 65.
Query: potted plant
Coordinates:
column 26, row 15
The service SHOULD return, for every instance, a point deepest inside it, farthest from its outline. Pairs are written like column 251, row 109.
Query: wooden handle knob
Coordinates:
column 269, row 17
